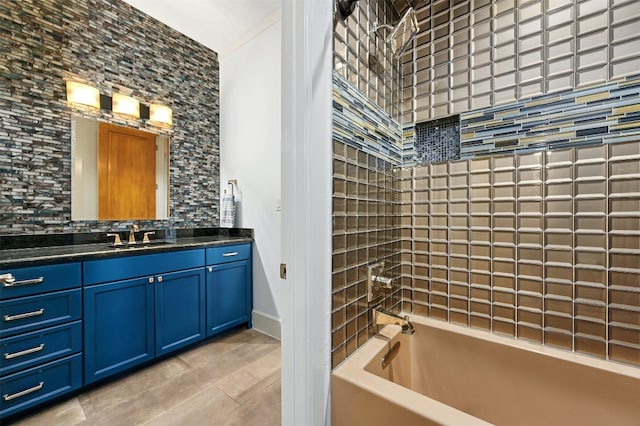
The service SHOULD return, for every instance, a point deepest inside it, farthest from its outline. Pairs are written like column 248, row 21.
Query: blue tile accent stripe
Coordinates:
column 359, row 122
column 594, row 115
column 408, row 145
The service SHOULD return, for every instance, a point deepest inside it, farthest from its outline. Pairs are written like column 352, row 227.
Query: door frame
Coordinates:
column 307, row 49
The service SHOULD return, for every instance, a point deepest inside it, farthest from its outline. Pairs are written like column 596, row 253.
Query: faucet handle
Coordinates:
column 145, row 238
column 132, row 235
column 117, row 241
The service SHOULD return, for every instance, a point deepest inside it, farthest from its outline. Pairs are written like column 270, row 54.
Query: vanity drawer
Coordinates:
column 39, row 279
column 31, row 387
column 26, row 350
column 36, row 312
column 225, row 254
column 122, row 268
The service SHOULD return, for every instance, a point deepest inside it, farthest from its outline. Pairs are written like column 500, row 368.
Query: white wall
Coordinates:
column 250, row 81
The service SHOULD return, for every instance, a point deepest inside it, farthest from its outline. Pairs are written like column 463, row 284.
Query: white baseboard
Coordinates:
column 266, row 324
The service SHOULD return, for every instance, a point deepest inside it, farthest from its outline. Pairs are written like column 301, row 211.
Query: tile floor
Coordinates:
column 233, row 380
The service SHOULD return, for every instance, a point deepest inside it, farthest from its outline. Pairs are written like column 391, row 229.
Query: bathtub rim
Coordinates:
column 610, row 366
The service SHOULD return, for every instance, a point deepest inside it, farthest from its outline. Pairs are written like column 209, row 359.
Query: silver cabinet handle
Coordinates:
column 9, row 280
column 25, row 315
column 150, row 280
column 210, row 268
column 233, row 253
column 25, row 352
column 37, row 387
column 160, row 279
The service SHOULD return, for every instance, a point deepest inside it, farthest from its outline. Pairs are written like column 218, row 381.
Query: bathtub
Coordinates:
column 447, row 374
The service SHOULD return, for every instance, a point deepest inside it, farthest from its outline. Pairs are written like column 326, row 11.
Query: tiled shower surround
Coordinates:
column 115, row 47
column 476, row 54
column 366, row 229
column 364, row 58
column 538, row 246
column 542, row 247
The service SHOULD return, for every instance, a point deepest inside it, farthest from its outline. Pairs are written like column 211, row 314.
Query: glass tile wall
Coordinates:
column 364, row 59
column 542, row 247
column 366, row 199
column 473, row 54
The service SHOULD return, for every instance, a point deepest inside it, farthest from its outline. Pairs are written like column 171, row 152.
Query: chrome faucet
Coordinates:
column 132, row 235
column 376, row 281
column 381, row 317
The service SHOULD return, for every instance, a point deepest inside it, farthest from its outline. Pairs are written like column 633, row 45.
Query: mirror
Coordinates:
column 118, row 173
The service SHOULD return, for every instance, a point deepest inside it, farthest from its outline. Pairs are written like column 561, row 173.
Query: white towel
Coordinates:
column 228, row 211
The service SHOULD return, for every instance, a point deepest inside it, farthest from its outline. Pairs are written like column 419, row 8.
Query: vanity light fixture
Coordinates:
column 123, row 104
column 160, row 114
column 117, row 103
column 79, row 93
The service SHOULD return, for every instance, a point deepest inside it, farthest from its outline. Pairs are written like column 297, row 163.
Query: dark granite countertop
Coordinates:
column 29, row 256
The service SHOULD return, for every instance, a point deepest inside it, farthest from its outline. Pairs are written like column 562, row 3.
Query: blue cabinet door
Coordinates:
column 118, row 326
column 228, row 296
column 180, row 309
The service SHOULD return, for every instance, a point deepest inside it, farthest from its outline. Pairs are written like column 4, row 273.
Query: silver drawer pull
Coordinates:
column 233, row 253
column 9, row 280
column 25, row 315
column 37, row 387
column 25, row 352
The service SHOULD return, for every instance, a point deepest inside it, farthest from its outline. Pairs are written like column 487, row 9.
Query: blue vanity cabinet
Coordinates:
column 139, row 307
column 179, row 309
column 40, row 334
column 229, row 289
column 118, row 326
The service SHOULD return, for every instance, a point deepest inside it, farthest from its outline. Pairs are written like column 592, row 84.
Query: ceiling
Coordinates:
column 215, row 23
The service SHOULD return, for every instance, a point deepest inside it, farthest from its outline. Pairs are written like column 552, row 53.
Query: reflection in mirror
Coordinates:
column 119, row 173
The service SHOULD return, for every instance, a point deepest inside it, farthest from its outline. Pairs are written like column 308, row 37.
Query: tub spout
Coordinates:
column 381, row 318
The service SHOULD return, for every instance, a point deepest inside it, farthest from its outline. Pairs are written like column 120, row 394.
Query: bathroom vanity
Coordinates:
column 73, row 315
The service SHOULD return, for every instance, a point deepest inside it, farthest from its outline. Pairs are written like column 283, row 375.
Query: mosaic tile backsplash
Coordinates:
column 113, row 46
column 601, row 114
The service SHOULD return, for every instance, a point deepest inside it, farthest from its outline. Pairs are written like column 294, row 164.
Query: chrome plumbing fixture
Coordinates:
column 376, row 282
column 381, row 317
column 402, row 33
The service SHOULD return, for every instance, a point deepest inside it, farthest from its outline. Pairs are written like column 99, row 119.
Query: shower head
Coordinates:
column 403, row 32
column 344, row 9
